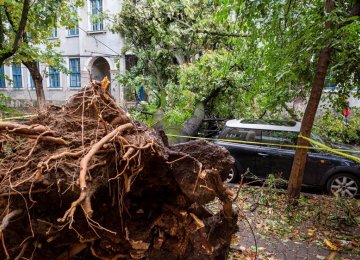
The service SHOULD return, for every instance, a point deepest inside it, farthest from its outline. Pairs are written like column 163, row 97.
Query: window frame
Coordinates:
column 72, row 32
column 279, row 137
column 54, row 33
column 74, row 74
column 54, row 76
column 241, row 134
column 96, row 10
column 2, row 77
column 16, row 76
column 273, row 138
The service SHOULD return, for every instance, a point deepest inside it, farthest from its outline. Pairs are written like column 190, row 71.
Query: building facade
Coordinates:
column 89, row 48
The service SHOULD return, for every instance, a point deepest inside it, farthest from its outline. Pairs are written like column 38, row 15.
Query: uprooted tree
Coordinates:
column 86, row 180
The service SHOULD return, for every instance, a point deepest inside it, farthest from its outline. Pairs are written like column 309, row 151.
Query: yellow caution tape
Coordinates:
column 341, row 152
column 329, row 149
column 240, row 141
column 323, row 147
column 16, row 117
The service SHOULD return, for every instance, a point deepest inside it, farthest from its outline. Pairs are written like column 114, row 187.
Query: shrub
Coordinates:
column 332, row 128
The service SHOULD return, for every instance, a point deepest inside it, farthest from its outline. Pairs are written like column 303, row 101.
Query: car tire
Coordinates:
column 233, row 176
column 343, row 184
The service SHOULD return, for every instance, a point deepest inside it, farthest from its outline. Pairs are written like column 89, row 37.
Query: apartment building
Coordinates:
column 89, row 48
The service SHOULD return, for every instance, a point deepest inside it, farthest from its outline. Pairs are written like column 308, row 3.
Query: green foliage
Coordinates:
column 164, row 35
column 180, row 104
column 216, row 74
column 283, row 45
column 243, row 58
column 6, row 111
column 138, row 112
column 43, row 17
column 155, row 34
column 331, row 128
column 3, row 98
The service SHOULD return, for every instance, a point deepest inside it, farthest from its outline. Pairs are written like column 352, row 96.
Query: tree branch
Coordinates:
column 223, row 34
column 216, row 33
column 10, row 20
column 2, row 36
column 355, row 11
column 19, row 32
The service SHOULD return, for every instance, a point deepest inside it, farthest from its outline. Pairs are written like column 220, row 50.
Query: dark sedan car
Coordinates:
column 268, row 151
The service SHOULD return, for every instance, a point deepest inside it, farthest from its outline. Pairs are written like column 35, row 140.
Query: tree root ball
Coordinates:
column 85, row 181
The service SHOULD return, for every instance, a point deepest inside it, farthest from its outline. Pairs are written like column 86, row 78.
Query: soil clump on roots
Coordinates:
column 85, row 181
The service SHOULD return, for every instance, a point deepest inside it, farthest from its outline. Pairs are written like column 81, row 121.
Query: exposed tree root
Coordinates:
column 23, row 129
column 137, row 198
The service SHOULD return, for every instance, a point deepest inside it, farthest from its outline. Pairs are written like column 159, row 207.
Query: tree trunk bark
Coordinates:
column 297, row 170
column 2, row 35
column 298, row 166
column 38, row 81
column 192, row 125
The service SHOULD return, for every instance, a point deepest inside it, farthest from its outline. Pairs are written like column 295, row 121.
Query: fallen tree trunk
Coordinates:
column 110, row 190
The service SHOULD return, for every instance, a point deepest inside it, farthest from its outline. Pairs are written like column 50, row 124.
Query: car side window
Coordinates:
column 279, row 137
column 241, row 134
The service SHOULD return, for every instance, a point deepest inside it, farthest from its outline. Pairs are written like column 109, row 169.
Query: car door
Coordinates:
column 281, row 158
column 261, row 154
column 280, row 162
column 317, row 164
column 278, row 155
column 237, row 144
column 265, row 158
column 245, row 155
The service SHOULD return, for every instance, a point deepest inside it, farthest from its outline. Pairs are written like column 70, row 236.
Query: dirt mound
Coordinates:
column 85, row 181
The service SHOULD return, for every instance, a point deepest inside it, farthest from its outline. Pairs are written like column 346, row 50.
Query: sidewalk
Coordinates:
column 243, row 247
column 321, row 227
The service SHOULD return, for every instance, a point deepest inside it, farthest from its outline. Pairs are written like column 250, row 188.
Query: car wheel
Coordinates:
column 233, row 175
column 344, row 185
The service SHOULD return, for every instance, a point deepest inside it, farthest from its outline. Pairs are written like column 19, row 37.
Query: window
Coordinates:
column 256, row 135
column 54, row 78
column 32, row 83
column 73, row 31
column 241, row 134
column 2, row 77
column 74, row 67
column 279, row 137
column 16, row 73
column 53, row 33
column 96, row 11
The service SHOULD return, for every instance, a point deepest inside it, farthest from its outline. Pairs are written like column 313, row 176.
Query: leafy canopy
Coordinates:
column 42, row 18
column 243, row 58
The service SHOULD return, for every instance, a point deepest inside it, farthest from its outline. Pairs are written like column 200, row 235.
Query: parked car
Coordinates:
column 268, row 154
